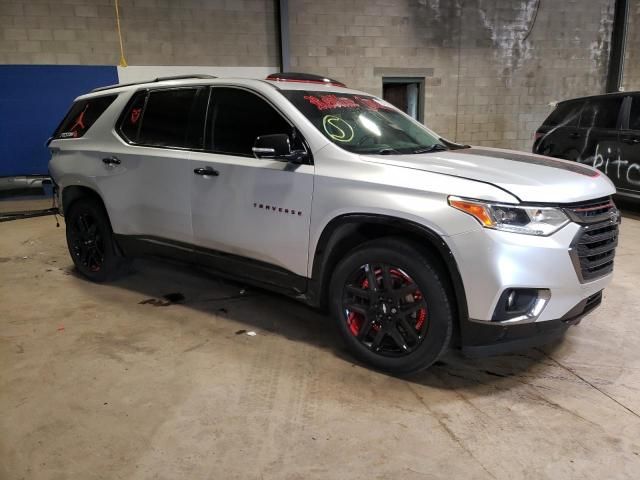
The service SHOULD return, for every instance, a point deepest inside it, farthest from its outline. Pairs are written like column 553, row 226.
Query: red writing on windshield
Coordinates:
column 326, row 102
column 371, row 103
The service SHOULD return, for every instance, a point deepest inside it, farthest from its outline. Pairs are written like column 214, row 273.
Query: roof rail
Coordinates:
column 157, row 79
column 180, row 77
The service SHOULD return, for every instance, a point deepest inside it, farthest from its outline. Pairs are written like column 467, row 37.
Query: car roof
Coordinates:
column 180, row 81
column 600, row 95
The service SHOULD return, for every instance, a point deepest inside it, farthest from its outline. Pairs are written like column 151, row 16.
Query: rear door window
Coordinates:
column 601, row 113
column 634, row 115
column 82, row 115
column 165, row 119
column 566, row 114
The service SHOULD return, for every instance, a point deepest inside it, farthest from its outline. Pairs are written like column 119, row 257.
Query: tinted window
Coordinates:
column 565, row 114
column 165, row 120
column 601, row 113
column 82, row 116
column 238, row 117
column 131, row 119
column 634, row 116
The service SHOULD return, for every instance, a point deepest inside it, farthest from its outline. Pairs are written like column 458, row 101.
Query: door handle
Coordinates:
column 574, row 135
column 206, row 172
column 111, row 161
column 631, row 140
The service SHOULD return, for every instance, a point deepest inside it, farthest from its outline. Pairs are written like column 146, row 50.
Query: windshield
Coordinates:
column 364, row 124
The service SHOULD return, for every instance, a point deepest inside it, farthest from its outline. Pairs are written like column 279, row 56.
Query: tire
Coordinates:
column 90, row 241
column 370, row 320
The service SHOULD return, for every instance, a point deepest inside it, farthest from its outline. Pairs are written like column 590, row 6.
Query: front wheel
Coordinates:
column 391, row 306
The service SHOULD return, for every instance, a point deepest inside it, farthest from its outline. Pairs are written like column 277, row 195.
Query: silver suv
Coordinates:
column 300, row 185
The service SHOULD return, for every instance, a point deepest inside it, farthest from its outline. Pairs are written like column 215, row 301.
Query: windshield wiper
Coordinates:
column 436, row 147
column 386, row 151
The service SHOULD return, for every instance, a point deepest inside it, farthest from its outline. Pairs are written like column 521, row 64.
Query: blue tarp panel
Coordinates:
column 33, row 100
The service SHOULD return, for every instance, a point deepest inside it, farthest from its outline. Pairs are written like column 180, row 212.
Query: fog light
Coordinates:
column 521, row 305
column 511, row 299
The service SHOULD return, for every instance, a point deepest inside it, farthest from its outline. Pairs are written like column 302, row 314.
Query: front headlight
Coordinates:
column 530, row 220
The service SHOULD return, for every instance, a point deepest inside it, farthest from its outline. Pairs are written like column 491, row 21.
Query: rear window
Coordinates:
column 601, row 113
column 565, row 114
column 82, row 115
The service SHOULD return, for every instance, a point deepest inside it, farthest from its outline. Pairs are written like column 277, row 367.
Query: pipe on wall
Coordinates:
column 618, row 44
column 282, row 12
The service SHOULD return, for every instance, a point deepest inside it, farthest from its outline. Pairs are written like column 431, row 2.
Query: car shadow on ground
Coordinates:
column 162, row 284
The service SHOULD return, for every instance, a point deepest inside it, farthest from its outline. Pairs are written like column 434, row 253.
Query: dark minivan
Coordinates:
column 602, row 131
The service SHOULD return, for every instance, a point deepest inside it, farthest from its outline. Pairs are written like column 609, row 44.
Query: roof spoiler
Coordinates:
column 304, row 78
column 158, row 79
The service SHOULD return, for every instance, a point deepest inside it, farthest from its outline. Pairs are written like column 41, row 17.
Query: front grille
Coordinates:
column 592, row 211
column 594, row 248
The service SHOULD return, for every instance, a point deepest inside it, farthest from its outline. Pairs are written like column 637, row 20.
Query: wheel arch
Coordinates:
column 73, row 193
column 346, row 232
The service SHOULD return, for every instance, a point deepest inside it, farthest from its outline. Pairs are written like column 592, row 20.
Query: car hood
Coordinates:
column 529, row 177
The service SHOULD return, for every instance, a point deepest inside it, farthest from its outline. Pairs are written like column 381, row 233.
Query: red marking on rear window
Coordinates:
column 79, row 121
column 135, row 115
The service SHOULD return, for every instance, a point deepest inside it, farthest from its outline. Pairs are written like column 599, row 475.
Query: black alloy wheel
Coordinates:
column 86, row 245
column 392, row 306
column 385, row 309
column 91, row 243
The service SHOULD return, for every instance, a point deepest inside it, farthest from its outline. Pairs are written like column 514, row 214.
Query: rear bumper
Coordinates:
column 484, row 339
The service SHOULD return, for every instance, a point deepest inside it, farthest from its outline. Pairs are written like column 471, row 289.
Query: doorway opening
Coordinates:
column 405, row 93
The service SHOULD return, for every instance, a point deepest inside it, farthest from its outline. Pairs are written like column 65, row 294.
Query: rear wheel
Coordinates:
column 391, row 306
column 90, row 241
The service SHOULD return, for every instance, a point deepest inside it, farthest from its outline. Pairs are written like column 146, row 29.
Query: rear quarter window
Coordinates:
column 82, row 115
column 566, row 114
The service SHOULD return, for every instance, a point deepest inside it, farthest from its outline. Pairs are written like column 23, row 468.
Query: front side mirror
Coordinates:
column 278, row 147
column 272, row 146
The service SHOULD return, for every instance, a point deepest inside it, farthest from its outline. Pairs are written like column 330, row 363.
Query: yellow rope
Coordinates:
column 123, row 61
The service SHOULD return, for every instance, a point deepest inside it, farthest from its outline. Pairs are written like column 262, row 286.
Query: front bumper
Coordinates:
column 491, row 262
column 480, row 339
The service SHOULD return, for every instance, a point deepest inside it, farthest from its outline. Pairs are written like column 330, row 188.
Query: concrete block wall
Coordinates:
column 155, row 32
column 497, row 64
column 491, row 67
column 631, row 75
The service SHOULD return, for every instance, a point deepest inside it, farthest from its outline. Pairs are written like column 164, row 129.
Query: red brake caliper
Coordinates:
column 421, row 315
column 355, row 320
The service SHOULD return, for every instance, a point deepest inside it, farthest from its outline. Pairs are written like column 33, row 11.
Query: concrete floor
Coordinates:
column 16, row 205
column 112, row 381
